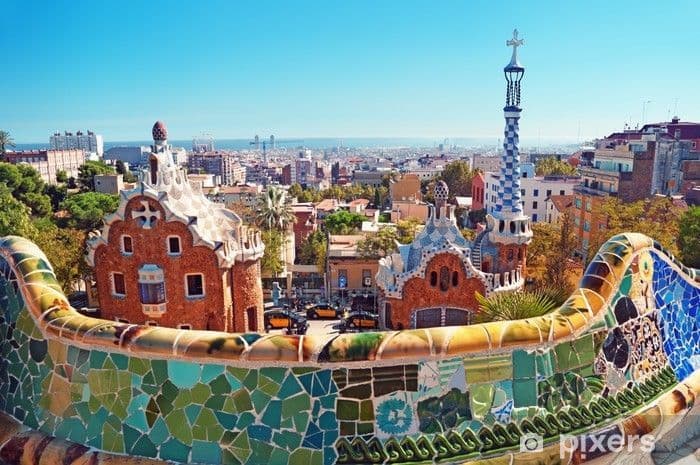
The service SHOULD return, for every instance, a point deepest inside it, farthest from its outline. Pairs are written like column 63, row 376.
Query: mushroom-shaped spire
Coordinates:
column 160, row 132
column 442, row 192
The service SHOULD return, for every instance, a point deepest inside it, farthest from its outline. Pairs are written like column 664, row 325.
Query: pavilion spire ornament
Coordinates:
column 514, row 72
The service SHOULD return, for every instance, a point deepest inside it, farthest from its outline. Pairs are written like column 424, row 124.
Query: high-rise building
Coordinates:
column 226, row 165
column 89, row 142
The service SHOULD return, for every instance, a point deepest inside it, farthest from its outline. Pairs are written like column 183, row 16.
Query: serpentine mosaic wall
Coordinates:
column 628, row 335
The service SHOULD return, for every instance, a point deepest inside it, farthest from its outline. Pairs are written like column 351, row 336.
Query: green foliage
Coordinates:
column 14, row 215
column 26, row 185
column 275, row 210
column 57, row 194
column 657, row 217
column 505, row 306
column 127, row 175
column 5, row 141
column 689, row 237
column 343, row 222
column 295, row 191
column 87, row 209
column 272, row 262
column 407, row 229
column 313, row 251
column 458, row 177
column 87, row 172
column 61, row 176
column 64, row 248
column 468, row 234
column 379, row 244
column 549, row 255
column 551, row 166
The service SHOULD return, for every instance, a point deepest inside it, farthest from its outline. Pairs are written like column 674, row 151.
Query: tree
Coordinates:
column 26, row 185
column 313, row 251
column 87, row 209
column 458, row 177
column 61, row 176
column 377, row 199
column 88, row 171
column 272, row 262
column 65, row 249
column 657, row 217
column 551, row 166
column 14, row 216
column 295, row 191
column 407, row 229
column 57, row 194
column 343, row 222
column 689, row 237
column 5, row 142
column 549, row 255
column 378, row 245
column 275, row 210
column 127, row 175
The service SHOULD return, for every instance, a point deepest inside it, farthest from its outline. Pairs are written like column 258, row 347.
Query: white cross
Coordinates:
column 147, row 215
column 515, row 43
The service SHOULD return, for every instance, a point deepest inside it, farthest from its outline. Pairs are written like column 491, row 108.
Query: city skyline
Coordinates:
column 344, row 71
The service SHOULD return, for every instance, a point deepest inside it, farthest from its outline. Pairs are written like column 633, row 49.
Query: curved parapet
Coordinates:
column 619, row 357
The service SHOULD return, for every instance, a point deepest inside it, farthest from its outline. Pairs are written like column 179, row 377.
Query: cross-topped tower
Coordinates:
column 508, row 225
column 515, row 43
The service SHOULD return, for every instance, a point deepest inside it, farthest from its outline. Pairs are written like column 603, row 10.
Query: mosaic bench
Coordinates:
column 618, row 358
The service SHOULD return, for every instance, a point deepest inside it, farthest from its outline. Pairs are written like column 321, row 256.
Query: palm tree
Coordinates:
column 5, row 142
column 275, row 210
column 503, row 306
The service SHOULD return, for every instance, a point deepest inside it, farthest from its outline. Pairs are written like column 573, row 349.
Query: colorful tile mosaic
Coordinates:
column 618, row 345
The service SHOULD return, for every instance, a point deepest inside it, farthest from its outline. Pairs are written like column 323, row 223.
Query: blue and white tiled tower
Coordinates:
column 508, row 224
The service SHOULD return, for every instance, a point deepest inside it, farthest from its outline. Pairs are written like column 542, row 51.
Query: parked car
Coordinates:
column 280, row 318
column 359, row 320
column 323, row 310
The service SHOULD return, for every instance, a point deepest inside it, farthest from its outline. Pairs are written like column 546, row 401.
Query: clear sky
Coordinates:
column 343, row 68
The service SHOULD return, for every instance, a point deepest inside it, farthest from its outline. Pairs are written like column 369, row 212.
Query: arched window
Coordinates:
column 433, row 278
column 510, row 255
column 455, row 278
column 520, row 255
column 444, row 278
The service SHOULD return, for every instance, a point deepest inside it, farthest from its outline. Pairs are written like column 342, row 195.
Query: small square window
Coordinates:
column 127, row 245
column 534, row 217
column 549, row 192
column 195, row 285
column 151, row 323
column 534, row 204
column 536, row 193
column 184, row 326
column 561, row 192
column 174, row 245
column 118, row 285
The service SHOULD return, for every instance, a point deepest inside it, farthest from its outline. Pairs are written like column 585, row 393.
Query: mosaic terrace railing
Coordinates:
column 619, row 357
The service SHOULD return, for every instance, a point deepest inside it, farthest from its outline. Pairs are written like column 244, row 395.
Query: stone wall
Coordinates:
column 609, row 361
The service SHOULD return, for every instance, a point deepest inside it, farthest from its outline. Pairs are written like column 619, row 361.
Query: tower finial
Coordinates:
column 515, row 43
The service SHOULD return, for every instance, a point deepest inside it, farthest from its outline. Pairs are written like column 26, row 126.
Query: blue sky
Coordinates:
column 342, row 69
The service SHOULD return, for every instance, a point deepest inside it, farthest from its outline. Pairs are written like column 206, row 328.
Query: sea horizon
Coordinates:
column 333, row 142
